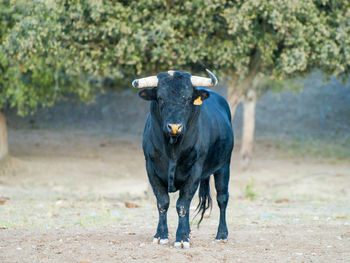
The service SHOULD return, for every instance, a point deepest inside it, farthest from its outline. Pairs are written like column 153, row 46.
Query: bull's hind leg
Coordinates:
column 222, row 177
column 161, row 193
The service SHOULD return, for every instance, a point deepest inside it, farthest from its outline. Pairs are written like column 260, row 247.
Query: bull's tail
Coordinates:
column 205, row 201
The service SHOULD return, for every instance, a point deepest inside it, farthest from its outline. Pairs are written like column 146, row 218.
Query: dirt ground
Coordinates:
column 64, row 190
column 63, row 198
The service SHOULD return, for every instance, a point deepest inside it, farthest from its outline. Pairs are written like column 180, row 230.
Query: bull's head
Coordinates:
column 176, row 94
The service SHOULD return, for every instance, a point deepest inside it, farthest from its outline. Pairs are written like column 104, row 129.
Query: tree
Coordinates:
column 279, row 40
column 58, row 48
column 6, row 22
column 31, row 71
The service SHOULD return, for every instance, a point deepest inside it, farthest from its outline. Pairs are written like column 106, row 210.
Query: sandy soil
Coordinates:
column 63, row 194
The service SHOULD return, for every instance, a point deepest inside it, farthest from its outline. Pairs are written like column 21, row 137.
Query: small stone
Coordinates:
column 58, row 202
column 115, row 213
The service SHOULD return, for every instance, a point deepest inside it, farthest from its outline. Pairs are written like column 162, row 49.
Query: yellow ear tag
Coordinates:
column 198, row 101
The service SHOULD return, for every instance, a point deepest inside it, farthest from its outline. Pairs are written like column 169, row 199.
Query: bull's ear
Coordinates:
column 199, row 95
column 148, row 94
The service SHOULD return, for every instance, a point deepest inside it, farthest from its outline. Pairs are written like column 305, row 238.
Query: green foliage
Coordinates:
column 33, row 61
column 51, row 50
column 250, row 191
column 286, row 39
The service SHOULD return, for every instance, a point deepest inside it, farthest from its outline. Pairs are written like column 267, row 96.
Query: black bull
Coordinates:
column 188, row 137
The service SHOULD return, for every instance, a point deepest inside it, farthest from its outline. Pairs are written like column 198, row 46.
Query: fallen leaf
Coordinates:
column 2, row 201
column 340, row 217
column 131, row 205
column 346, row 235
column 283, row 200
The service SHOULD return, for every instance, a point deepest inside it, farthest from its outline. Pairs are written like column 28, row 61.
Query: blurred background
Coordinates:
column 71, row 125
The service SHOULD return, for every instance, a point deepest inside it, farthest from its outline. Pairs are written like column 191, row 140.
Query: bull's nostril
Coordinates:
column 174, row 129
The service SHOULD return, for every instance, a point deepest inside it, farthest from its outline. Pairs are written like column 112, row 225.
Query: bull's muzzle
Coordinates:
column 174, row 129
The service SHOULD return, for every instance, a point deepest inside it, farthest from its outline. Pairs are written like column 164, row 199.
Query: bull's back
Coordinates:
column 219, row 103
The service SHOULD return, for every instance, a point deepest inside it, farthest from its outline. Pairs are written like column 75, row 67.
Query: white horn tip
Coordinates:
column 135, row 83
column 212, row 76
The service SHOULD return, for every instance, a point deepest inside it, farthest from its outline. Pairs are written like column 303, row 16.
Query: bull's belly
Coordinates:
column 183, row 170
column 216, row 155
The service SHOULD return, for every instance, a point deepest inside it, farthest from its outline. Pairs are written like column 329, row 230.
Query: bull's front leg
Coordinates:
column 162, row 196
column 187, row 192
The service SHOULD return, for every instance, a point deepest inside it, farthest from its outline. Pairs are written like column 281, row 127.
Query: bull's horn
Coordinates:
column 204, row 82
column 145, row 82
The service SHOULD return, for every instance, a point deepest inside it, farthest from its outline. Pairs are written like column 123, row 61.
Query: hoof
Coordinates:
column 182, row 244
column 222, row 241
column 159, row 241
column 164, row 242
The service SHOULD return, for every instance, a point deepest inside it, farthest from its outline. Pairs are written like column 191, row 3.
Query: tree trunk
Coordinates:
column 234, row 95
column 249, row 103
column 245, row 90
column 233, row 99
column 3, row 137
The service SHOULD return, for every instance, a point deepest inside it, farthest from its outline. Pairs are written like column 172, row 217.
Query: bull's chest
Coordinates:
column 181, row 165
